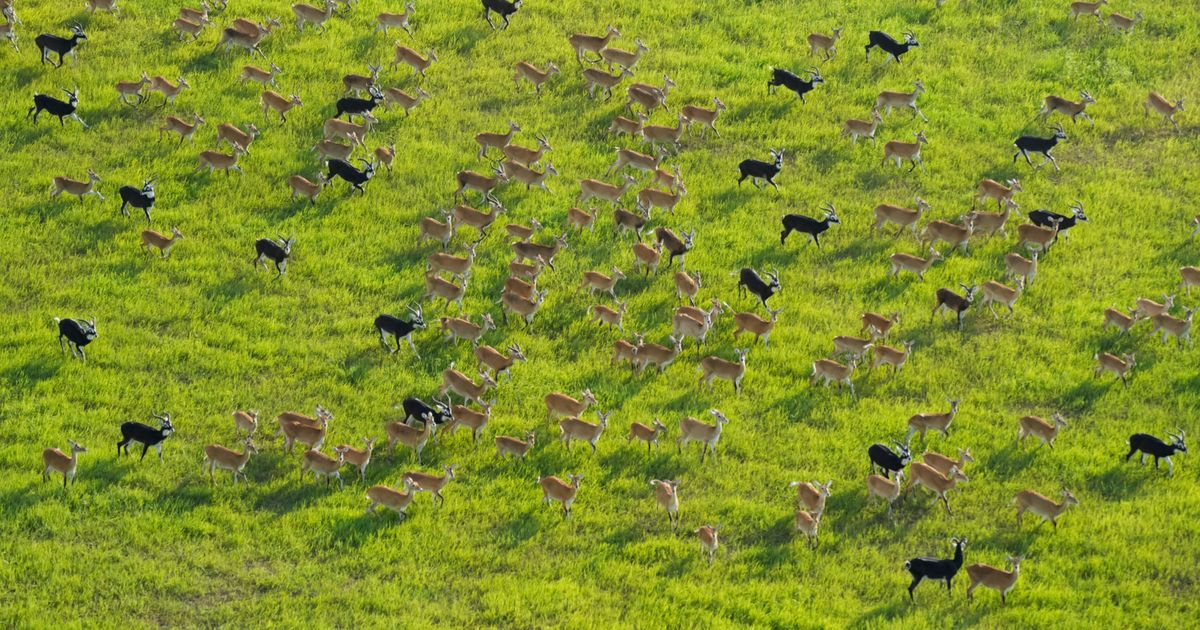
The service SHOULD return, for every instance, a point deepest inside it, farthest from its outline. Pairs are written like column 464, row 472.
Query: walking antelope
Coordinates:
column 195, row 15
column 433, row 484
column 308, row 14
column 1149, row 445
column 626, row 59
column 885, row 488
column 992, row 189
column 812, row 494
column 400, row 329
column 458, row 383
column 359, row 458
column 523, row 232
column 79, row 189
column 127, row 89
column 599, row 79
column 470, row 217
column 828, row 371
column 714, row 367
column 887, row 460
column 1146, row 308
column 573, row 428
column 639, row 161
column 584, row 43
column 915, row 264
column 957, row 236
column 927, row 477
column 943, row 464
column 854, row 348
column 311, row 436
column 709, row 541
column 1119, row 320
column 238, row 140
column 525, row 307
column 581, row 219
column 647, row 434
column 528, row 176
column 1075, row 110
column 755, row 325
column 808, row 524
column 1124, row 23
column 936, row 568
column 414, row 60
column 1163, row 107
column 666, row 494
column 499, row 363
column 692, row 114
column 922, row 422
column 436, row 287
column 405, row 100
column 1034, row 144
column 687, row 285
column 474, row 421
column 595, row 281
column 1190, row 277
column 214, row 160
column 992, row 222
column 386, row 154
column 1087, row 8
column 889, row 45
column 526, row 250
column 163, row 86
column 55, row 461
column 622, row 125
column 506, row 445
column 391, row 499
column 593, row 188
column 529, row 72
column 217, row 456
column 827, row 44
column 759, row 171
column 492, row 140
column 1018, row 267
column 555, row 489
column 947, row 300
column 997, row 293
column 459, row 266
column 524, row 155
column 693, row 430
column 1119, row 366
column 895, row 357
column 887, row 100
column 988, row 576
column 1039, row 505
column 625, row 351
column 857, row 128
column 658, row 355
column 879, row 325
column 260, row 76
column 1040, row 429
column 1180, row 329
column 482, row 184
column 355, row 133
column 396, row 20
column 245, row 421
column 416, row 439
column 900, row 151
column 272, row 100
column 458, row 328
column 161, row 242
column 626, row 221
column 1036, row 238
column 672, row 181
column 886, row 213
column 658, row 135
column 560, row 405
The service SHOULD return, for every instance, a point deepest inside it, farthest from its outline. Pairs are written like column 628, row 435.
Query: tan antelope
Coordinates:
column 602, row 314
column 456, row 265
column 927, row 477
column 822, row 43
column 307, row 14
column 1124, row 23
column 707, row 318
column 650, row 198
column 1018, row 267
column 639, row 161
column 957, row 236
column 922, row 422
column 658, row 135
column 79, row 189
column 692, row 114
column 907, row 262
column 992, row 189
column 396, row 96
column 217, row 456
column 622, row 125
column 887, row 100
column 195, row 15
column 812, row 494
column 885, row 488
column 482, row 184
column 943, row 464
column 584, row 43
column 526, row 308
column 1163, row 107
column 322, row 465
column 625, row 351
column 808, row 523
column 672, row 181
column 878, row 325
column 581, row 219
column 238, row 140
column 991, row 222
column 523, row 232
column 524, row 155
column 215, row 160
column 255, row 29
column 311, row 436
column 857, row 128
column 108, row 6
column 713, row 367
column 710, row 541
column 161, row 242
column 894, row 357
column 626, row 221
column 997, row 293
column 1146, row 308
column 529, row 72
column 1039, row 505
column 1119, row 320
column 245, row 421
column 1180, row 329
column 693, row 430
column 1074, row 109
column 458, row 328
column 593, row 188
column 414, row 60
column 288, row 417
column 355, row 133
column 886, row 213
column 332, row 149
column 828, row 371
column 650, row 97
column 8, row 30
column 436, row 287
column 687, row 285
column 272, row 100
column 303, row 187
column 506, row 445
column 1087, row 8
column 1046, row 431
column 493, row 359
column 599, row 79
column 391, row 499
column 647, row 257
column 55, row 461
column 626, row 59
column 666, row 494
column 474, row 421
column 459, row 383
column 396, row 20
column 854, row 348
column 555, row 489
column 560, row 405
column 258, row 75
column 1189, row 277
column 578, row 429
column 1036, row 238
column 596, row 281
column 416, row 439
column 127, row 89
column 658, row 355
column 233, row 36
column 528, row 176
column 647, row 434
column 386, row 155
column 1119, row 366
column 433, row 230
column 900, row 151
column 175, row 124
column 169, row 91
column 750, row 323
column 988, row 576
column 470, row 217
column 359, row 458
column 433, row 484
column 492, row 140
column 520, row 288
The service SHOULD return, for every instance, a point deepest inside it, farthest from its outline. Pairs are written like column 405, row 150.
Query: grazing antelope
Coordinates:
column 391, row 499
column 258, row 75
column 599, row 79
column 991, row 222
column 885, row 488
column 650, row 198
column 578, row 429
column 1180, row 329
column 245, row 421
column 1040, row 429
column 161, row 85
column 1039, row 505
column 238, row 140
column 1146, row 308
column 433, row 484
column 1075, row 110
column 396, row 20
column 693, row 430
column 161, row 242
column 602, row 314
column 1036, row 238
column 459, row 266
column 329, row 149
column 808, row 523
column 993, row 578
column 593, row 188
column 458, row 328
column 322, row 465
column 475, row 421
column 658, row 355
column 1124, row 23
column 215, row 160
column 947, row 300
column 943, row 464
column 1087, row 8
column 272, row 100
column 416, row 439
column 900, row 151
column 127, row 89
column 957, row 236
column 529, row 72
column 626, row 59
column 647, row 434
column 713, row 367
column 494, row 140
column 992, row 189
column 922, row 422
column 528, row 176
column 55, row 461
column 506, row 445
column 996, row 293
column 709, row 541
column 355, row 133
column 482, row 184
column 692, row 114
column 458, row 383
column 622, row 125
column 1119, row 366
column 414, row 60
column 829, row 371
column 895, row 357
column 1119, row 320
column 666, row 494
column 526, row 308
column 929, row 478
column 217, row 456
column 307, row 14
column 647, row 256
column 79, row 189
column 827, row 44
column 902, row 217
column 887, row 100
column 499, row 363
column 878, row 325
column 857, row 128
column 359, row 458
column 750, row 323
column 1190, row 277
column 560, row 405
column 907, row 262
column 584, row 43
column 555, row 489
column 405, row 100
column 812, row 494
column 1163, row 107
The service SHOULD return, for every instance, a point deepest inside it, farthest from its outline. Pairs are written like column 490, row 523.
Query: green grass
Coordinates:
column 202, row 334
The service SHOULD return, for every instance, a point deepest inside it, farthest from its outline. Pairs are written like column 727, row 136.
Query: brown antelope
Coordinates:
column 649, row 198
column 289, row 417
column 1146, row 308
column 169, row 91
column 885, row 488
column 194, row 15
column 657, row 355
column 494, row 140
column 687, row 285
column 55, row 461
column 127, row 89
column 1066, row 107
column 524, row 155
column 1124, row 23
column 1087, row 8
column 639, row 161
column 1040, row 428
column 625, row 351
column 8, row 30
column 622, row 125
column 878, row 325
column 555, row 489
column 808, row 523
column 580, row 219
column 175, row 124
column 307, row 14
column 238, row 140
column 577, row 429
column 433, row 484
column 458, row 383
column 217, row 456
column 518, row 269
column 1190, row 277
column 672, row 181
column 482, row 184
column 396, row 96
column 626, row 59
column 647, row 256
column 1163, row 107
column 560, row 405
column 386, row 155
column 1119, row 366
column 1039, row 505
column 457, row 265
column 900, row 151
column 161, row 242
column 902, row 217
column 929, row 478
column 436, row 287
column 626, row 221
column 1180, row 329
column 692, row 114
column 943, row 464
column 828, row 371
column 355, row 133
column 416, row 439
column 396, row 20
column 812, row 494
column 526, row 308
column 895, row 357
column 311, row 436
column 997, row 293
column 529, row 72
column 857, row 128
column 233, row 36
column 332, row 149
column 1036, row 238
column 705, row 317
column 992, row 189
column 1119, row 320
column 434, row 230
column 988, row 576
column 647, row 434
column 822, row 43
column 492, row 358
column 523, row 232
column 1019, row 267
column 991, row 222
column 458, row 328
column 215, row 160
column 506, row 445
column 915, row 264
column 750, row 323
column 922, row 422
column 693, row 430
column 658, row 135
column 528, row 176
column 956, row 235
column 584, row 43
column 414, row 60
column 272, row 100
column 258, row 75
column 391, row 499
column 650, row 97
column 595, row 281
column 666, row 494
column 108, row 6
column 79, row 189
column 887, row 100
column 322, row 465
column 854, row 348
column 709, row 541
column 525, row 250
column 255, row 29
column 520, row 288
column 593, row 188
column 475, row 421
column 602, row 314
column 713, row 367
column 599, row 79
column 359, row 458
column 245, row 421
column 684, row 325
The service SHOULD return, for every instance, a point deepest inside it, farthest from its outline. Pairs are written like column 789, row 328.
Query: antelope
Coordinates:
column 599, row 79
column 109, row 6
column 692, row 114
column 482, row 184
column 647, row 256
column 666, row 494
column 245, row 421
column 457, row 328
column 829, row 371
column 885, row 488
column 947, row 300
column 386, row 155
column 879, row 325
column 887, row 100
column 520, row 288
column 647, row 434
column 436, row 287
column 523, row 232
column 79, row 189
column 260, row 76
column 1039, row 505
column 715, row 367
column 273, row 100
column 922, row 422
column 506, row 445
column 355, row 133
column 555, row 489
column 330, row 149
column 639, row 161
column 393, row 500
column 852, row 347
column 648, row 97
column 907, row 262
column 470, row 217
column 687, row 285
column 626, row 221
column 649, row 198
column 1147, row 309
column 500, row 364
column 820, row 42
column 322, row 465
column 992, row 189
column 55, row 461
column 524, row 155
column 991, row 222
column 161, row 85
column 214, row 160
column 1036, row 238
column 251, row 28
column 238, row 140
column 434, row 230
column 625, row 351
column 622, row 125
column 671, row 181
column 991, row 577
column 1019, row 267
column 416, row 439
column 576, row 429
column 126, row 89
column 955, row 235
column 1124, row 23
column 943, row 464
column 494, row 140
column 359, row 458
column 310, row 436
column 518, row 269
column 291, row 417
column 580, row 219
column 529, row 72
column 1119, row 320
column 405, row 100
column 414, row 60
column 459, row 383
column 195, row 15
column 929, row 478
column 1040, row 429
column 755, row 325
column 709, row 541
column 602, row 314
column 1087, row 8
column 308, row 14
column 8, row 29
column 626, row 59
column 658, row 355
column 584, row 43
column 592, row 188
column 433, row 484
column 812, row 494
column 900, row 151
column 996, row 293
column 561, row 405
column 808, row 523
column 528, row 176
column 693, row 430
column 396, row 20
column 1119, row 366
column 525, row 250
column 903, row 217
column 1180, row 329
column 475, row 421
column 1190, row 277
column 1162, row 107
column 217, row 456
column 1063, row 106
column 161, row 242
column 459, row 266
column 660, row 134
column 857, row 128
column 595, row 281
column 707, row 318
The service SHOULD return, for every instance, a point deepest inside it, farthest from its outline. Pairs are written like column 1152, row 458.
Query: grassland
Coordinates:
column 202, row 334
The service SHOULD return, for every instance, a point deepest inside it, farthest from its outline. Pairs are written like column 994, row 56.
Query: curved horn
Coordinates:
column 366, row 163
column 92, row 321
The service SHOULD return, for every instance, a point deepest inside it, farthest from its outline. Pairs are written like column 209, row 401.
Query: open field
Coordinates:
column 202, row 333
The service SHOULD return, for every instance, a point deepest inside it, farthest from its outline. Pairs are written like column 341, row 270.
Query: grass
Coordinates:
column 202, row 334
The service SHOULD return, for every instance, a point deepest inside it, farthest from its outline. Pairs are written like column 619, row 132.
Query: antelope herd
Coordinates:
column 448, row 276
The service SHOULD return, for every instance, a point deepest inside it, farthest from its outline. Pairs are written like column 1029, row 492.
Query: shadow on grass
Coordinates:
column 25, row 377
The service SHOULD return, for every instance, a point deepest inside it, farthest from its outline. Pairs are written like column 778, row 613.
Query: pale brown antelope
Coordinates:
column 922, row 422
column 506, row 445
column 386, row 154
column 1189, row 277
column 626, row 59
column 943, row 464
column 894, row 357
column 289, row 417
column 639, row 161
column 1163, row 107
column 396, row 20
column 655, row 94
column 358, row 83
column 234, row 36
column 459, row 328
column 584, row 43
column 217, row 456
column 625, row 351
column 258, row 75
column 997, row 293
column 416, row 439
column 493, row 359
column 672, row 181
column 322, row 465
column 238, row 140
column 434, row 230
column 687, row 285
column 600, row 79
column 107, row 6
column 713, row 367
column 1119, row 320
column 470, row 419
column 1036, row 238
column 433, row 484
column 692, row 114
column 1039, row 505
column 414, row 60
column 527, row 250
column 520, row 288
column 928, row 477
column 333, row 149
column 658, row 135
column 808, row 523
column 666, row 494
column 887, row 100
column 457, row 265
column 467, row 216
column 1087, row 8
column 528, row 176
column 658, row 355
column 524, row 155
column 593, row 188
column 1043, row 430
column 436, row 287
column 826, row 44
column 530, row 271
column 603, row 315
column 709, row 541
column 359, row 458
column 396, row 96
column 555, row 489
column 79, row 189
column 245, row 421
column 647, row 257
column 828, row 371
column 482, row 184
column 1119, row 366
column 272, row 100
column 885, row 488
column 1180, row 329
column 1074, row 109
column 581, row 219
column 1146, row 308
column 854, row 348
column 693, row 430
column 355, row 133
column 750, row 323
column 306, row 435
column 879, row 325
column 128, row 89
column 907, row 262
column 707, row 317
column 647, row 434
column 161, row 242
column 957, row 236
column 560, row 405
column 992, row 189
column 899, row 216
column 530, row 72
column 622, row 125
column 195, row 15
column 900, row 151
column 857, row 128
column 523, row 232
column 55, row 461
column 215, row 160
column 812, row 494
column 596, row 281
column 998, row 580
column 1018, row 267
column 626, row 221
column 307, row 14
column 1124, row 23
column 991, row 222
column 8, row 30
column 650, row 198
column 391, row 499
column 169, row 91
column 574, row 428
column 458, row 383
